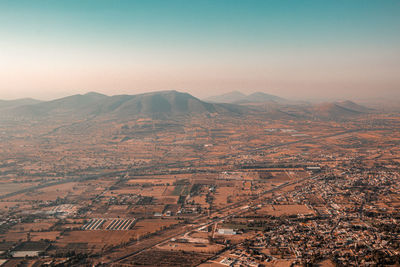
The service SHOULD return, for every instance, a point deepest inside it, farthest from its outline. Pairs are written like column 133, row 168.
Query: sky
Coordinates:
column 301, row 49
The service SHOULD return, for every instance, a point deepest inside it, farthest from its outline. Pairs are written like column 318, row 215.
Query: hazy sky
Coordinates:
column 307, row 49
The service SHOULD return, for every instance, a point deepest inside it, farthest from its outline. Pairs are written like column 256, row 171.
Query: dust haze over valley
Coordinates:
column 210, row 133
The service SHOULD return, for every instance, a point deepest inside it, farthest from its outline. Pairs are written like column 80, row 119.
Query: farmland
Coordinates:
column 200, row 195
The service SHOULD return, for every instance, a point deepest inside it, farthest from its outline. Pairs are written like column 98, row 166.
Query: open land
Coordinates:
column 202, row 191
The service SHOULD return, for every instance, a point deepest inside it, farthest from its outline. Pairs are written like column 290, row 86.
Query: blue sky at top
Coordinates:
column 52, row 48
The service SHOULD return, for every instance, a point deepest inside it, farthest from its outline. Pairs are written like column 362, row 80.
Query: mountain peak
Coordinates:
column 161, row 104
column 94, row 94
column 230, row 97
column 239, row 97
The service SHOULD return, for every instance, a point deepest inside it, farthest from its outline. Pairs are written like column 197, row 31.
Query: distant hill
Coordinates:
column 231, row 97
column 237, row 97
column 262, row 97
column 353, row 106
column 324, row 111
column 337, row 110
column 68, row 106
column 18, row 102
column 156, row 104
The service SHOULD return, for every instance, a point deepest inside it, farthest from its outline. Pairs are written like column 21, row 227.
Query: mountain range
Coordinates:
column 156, row 104
column 173, row 104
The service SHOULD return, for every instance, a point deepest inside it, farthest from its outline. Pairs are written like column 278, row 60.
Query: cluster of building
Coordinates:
column 355, row 220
